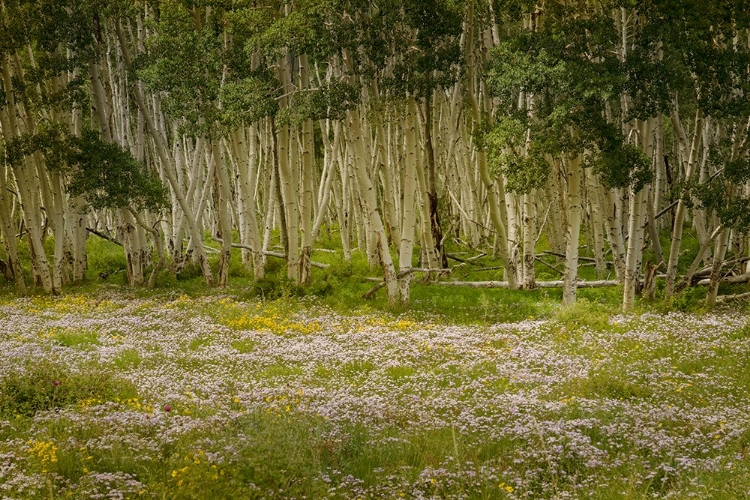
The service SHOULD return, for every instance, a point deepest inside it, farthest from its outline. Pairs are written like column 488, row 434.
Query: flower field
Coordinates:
column 211, row 397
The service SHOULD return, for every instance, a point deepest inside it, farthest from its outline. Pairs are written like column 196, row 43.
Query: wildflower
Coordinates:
column 167, row 408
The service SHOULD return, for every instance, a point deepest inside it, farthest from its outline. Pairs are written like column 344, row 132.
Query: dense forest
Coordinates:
column 609, row 127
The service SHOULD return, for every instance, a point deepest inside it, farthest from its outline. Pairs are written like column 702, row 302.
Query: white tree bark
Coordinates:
column 574, row 212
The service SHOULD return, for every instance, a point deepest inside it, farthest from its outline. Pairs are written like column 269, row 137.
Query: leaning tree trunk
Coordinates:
column 9, row 238
column 370, row 207
column 168, row 166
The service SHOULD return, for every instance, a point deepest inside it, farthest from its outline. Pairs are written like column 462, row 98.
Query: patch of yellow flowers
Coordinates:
column 201, row 470
column 66, row 304
column 45, row 451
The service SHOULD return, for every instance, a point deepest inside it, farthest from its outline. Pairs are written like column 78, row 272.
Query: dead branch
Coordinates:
column 103, row 236
column 539, row 284
column 371, row 292
column 728, row 298
column 269, row 253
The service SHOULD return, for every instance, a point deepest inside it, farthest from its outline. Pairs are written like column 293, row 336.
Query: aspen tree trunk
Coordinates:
column 635, row 243
column 556, row 223
column 77, row 213
column 408, row 219
column 28, row 187
column 597, row 223
column 688, row 159
column 722, row 242
column 390, row 215
column 248, row 183
column 289, row 197
column 168, row 166
column 223, row 200
column 574, row 230
column 125, row 226
column 427, row 243
column 126, row 234
column 307, row 206
column 660, row 173
column 496, row 215
column 58, row 267
column 342, row 210
column 432, row 194
column 237, row 152
column 9, row 234
column 370, row 206
column 330, row 160
column 307, row 212
column 614, row 230
column 529, row 242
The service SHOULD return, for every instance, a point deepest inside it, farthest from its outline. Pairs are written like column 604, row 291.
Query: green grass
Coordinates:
column 129, row 358
column 75, row 338
column 45, row 385
column 341, row 286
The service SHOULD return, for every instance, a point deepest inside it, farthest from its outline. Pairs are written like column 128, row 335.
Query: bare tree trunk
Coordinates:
column 721, row 250
column 168, row 166
column 408, row 219
column 370, row 206
column 635, row 242
column 689, row 159
column 223, row 200
column 574, row 230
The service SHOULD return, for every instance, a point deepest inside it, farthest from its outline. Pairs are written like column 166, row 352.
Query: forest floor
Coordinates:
column 110, row 395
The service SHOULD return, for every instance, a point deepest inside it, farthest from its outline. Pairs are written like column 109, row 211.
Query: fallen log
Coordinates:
column 728, row 298
column 539, row 284
column 557, row 270
column 563, row 256
column 371, row 292
column 469, row 260
column 269, row 253
column 740, row 278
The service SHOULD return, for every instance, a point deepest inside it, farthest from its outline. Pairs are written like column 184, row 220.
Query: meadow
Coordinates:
column 117, row 394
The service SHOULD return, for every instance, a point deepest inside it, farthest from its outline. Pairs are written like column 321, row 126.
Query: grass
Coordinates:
column 46, row 386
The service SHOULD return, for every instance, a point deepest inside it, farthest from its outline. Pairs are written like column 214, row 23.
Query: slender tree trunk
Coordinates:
column 223, row 200
column 574, row 230
column 408, row 220
column 370, row 206
column 635, row 243
column 529, row 242
column 168, row 166
column 432, row 194
column 689, row 159
column 722, row 242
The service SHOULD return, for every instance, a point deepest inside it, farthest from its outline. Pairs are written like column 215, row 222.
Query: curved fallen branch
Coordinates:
column 269, row 253
column 728, row 298
column 539, row 284
column 371, row 292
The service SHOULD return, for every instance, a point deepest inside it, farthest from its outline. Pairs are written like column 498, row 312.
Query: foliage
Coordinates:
column 103, row 173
